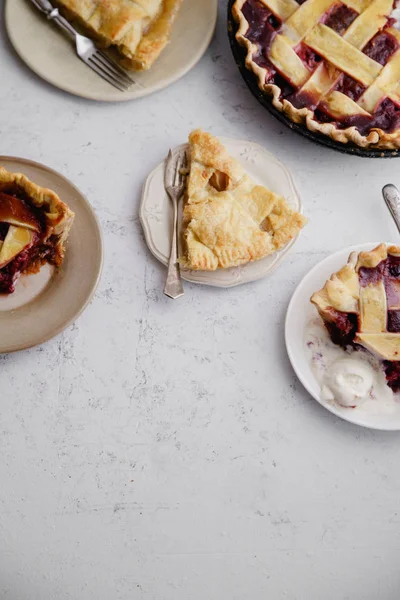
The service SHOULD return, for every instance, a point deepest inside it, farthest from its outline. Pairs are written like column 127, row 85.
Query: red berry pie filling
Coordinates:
column 34, row 224
column 333, row 65
column 360, row 307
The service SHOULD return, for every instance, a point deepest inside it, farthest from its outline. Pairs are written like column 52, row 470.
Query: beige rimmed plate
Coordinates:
column 44, row 48
column 45, row 304
column 156, row 214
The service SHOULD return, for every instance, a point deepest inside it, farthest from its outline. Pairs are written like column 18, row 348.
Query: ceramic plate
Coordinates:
column 45, row 304
column 299, row 314
column 156, row 213
column 44, row 48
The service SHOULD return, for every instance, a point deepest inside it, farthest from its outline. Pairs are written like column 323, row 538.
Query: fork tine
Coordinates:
column 184, row 167
column 110, row 71
column 112, row 64
column 97, row 70
column 100, row 70
column 177, row 170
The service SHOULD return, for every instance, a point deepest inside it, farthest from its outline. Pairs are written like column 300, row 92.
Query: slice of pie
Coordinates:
column 138, row 29
column 34, row 224
column 360, row 306
column 229, row 220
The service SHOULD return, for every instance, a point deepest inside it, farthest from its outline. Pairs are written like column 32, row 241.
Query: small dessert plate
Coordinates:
column 300, row 314
column 51, row 55
column 156, row 214
column 45, row 304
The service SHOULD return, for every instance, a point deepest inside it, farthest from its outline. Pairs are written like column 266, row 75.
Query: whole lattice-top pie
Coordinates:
column 334, row 66
column 360, row 306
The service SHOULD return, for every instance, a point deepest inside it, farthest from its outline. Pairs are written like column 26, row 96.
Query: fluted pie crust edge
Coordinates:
column 377, row 138
column 58, row 216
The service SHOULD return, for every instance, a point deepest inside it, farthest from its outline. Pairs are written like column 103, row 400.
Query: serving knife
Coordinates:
column 391, row 196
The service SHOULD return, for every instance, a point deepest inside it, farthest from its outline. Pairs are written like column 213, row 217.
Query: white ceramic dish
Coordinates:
column 156, row 214
column 45, row 304
column 44, row 48
column 299, row 313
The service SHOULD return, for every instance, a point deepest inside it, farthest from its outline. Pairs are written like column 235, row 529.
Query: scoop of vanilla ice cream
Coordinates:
column 348, row 381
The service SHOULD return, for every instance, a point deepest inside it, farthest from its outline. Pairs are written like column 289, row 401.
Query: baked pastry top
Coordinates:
column 229, row 220
column 34, row 225
column 138, row 29
column 360, row 306
column 334, row 66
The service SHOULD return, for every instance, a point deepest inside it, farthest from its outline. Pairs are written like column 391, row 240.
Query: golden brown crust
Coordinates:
column 157, row 37
column 345, row 293
column 58, row 216
column 370, row 260
column 340, row 292
column 376, row 138
column 138, row 29
column 228, row 220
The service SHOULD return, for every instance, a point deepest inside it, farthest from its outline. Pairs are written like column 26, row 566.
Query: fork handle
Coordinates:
column 392, row 199
column 62, row 23
column 173, row 285
column 53, row 14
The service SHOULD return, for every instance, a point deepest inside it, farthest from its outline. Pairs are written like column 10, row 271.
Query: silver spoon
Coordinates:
column 391, row 196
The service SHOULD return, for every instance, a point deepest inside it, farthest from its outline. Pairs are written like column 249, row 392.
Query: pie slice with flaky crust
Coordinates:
column 360, row 306
column 229, row 220
column 34, row 225
column 138, row 29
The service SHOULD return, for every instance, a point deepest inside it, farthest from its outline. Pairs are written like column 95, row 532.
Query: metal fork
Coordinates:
column 86, row 49
column 174, row 182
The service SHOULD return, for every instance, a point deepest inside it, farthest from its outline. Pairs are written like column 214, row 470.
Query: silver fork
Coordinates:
column 174, row 181
column 86, row 49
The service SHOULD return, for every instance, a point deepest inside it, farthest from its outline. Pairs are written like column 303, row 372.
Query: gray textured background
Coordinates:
column 166, row 451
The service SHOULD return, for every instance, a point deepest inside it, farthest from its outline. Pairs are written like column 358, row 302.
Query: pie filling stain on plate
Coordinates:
column 27, row 289
column 351, row 379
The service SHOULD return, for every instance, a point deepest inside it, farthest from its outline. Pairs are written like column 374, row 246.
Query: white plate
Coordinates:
column 156, row 213
column 299, row 313
column 44, row 48
column 45, row 304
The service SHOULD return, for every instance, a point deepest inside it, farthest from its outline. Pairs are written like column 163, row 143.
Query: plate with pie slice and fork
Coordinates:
column 51, row 253
column 165, row 41
column 239, row 217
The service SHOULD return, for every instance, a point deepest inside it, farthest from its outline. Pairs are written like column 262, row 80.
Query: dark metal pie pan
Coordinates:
column 323, row 140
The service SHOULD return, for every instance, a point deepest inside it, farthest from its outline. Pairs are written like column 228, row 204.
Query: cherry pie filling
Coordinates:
column 343, row 327
column 262, row 30
column 24, row 244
